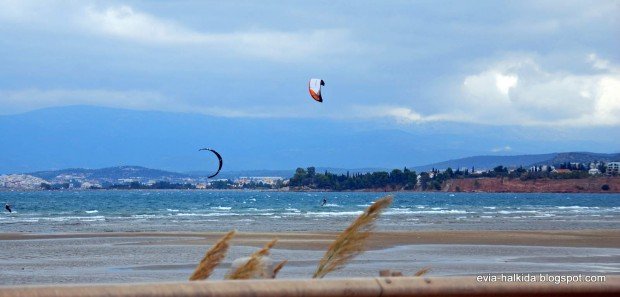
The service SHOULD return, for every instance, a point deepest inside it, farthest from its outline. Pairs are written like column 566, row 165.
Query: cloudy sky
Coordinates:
column 547, row 64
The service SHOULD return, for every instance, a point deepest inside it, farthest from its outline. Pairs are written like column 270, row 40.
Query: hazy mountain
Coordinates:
column 240, row 173
column 488, row 162
column 287, row 173
column 110, row 173
column 96, row 137
column 479, row 162
column 580, row 157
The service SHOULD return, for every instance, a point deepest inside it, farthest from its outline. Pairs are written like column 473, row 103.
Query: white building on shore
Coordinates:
column 613, row 168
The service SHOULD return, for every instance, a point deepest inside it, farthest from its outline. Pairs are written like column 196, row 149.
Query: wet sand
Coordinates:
column 154, row 257
column 378, row 240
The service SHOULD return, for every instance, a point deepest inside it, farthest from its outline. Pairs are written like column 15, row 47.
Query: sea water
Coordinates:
column 256, row 211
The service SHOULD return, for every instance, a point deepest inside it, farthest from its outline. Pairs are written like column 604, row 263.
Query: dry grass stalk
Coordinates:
column 422, row 271
column 254, row 266
column 212, row 258
column 278, row 268
column 350, row 243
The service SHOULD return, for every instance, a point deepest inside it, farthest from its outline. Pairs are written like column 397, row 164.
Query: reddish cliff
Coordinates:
column 585, row 185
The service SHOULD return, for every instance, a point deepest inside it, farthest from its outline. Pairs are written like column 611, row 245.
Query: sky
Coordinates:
column 539, row 67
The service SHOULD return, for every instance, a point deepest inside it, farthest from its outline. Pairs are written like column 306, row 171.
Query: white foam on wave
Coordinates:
column 441, row 211
column 172, row 210
column 517, row 211
column 575, row 207
column 145, row 216
column 544, row 215
column 332, row 214
column 397, row 211
column 28, row 220
column 332, row 205
column 92, row 211
column 93, row 219
column 221, row 207
column 436, row 210
column 291, row 213
column 73, row 218
column 212, row 214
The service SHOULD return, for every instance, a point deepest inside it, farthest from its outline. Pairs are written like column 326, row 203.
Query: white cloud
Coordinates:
column 506, row 148
column 598, row 63
column 518, row 91
column 505, row 82
column 127, row 23
column 399, row 114
column 124, row 22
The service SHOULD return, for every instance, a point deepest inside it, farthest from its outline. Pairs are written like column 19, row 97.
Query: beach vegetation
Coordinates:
column 351, row 241
column 278, row 268
column 212, row 258
column 422, row 271
column 254, row 267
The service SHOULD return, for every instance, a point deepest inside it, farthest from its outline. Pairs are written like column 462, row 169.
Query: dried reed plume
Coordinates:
column 422, row 271
column 212, row 258
column 254, row 266
column 350, row 243
column 278, row 268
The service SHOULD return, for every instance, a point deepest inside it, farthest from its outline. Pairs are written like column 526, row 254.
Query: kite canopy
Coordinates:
column 219, row 157
column 314, row 86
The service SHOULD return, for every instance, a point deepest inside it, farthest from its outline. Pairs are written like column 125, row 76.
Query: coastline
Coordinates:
column 590, row 185
column 609, row 238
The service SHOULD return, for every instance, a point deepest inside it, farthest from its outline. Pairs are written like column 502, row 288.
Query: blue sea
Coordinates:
column 194, row 210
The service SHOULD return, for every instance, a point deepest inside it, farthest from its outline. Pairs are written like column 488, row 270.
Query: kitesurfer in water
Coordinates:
column 324, row 202
column 8, row 207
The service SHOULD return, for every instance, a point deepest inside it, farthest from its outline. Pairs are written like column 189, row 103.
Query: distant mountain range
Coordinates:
column 111, row 173
column 97, row 137
column 479, row 162
column 281, row 173
column 488, row 162
column 580, row 157
column 127, row 172
column 482, row 162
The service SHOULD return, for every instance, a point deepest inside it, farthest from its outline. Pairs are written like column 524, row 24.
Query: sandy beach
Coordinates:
column 379, row 240
column 165, row 256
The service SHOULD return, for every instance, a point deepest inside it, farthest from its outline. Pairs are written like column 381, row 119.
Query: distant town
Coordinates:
column 81, row 182
column 601, row 176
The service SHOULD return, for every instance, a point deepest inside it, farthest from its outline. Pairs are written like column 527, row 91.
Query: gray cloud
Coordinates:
column 527, row 63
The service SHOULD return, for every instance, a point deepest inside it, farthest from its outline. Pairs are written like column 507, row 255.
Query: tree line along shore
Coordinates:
column 500, row 179
column 562, row 178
